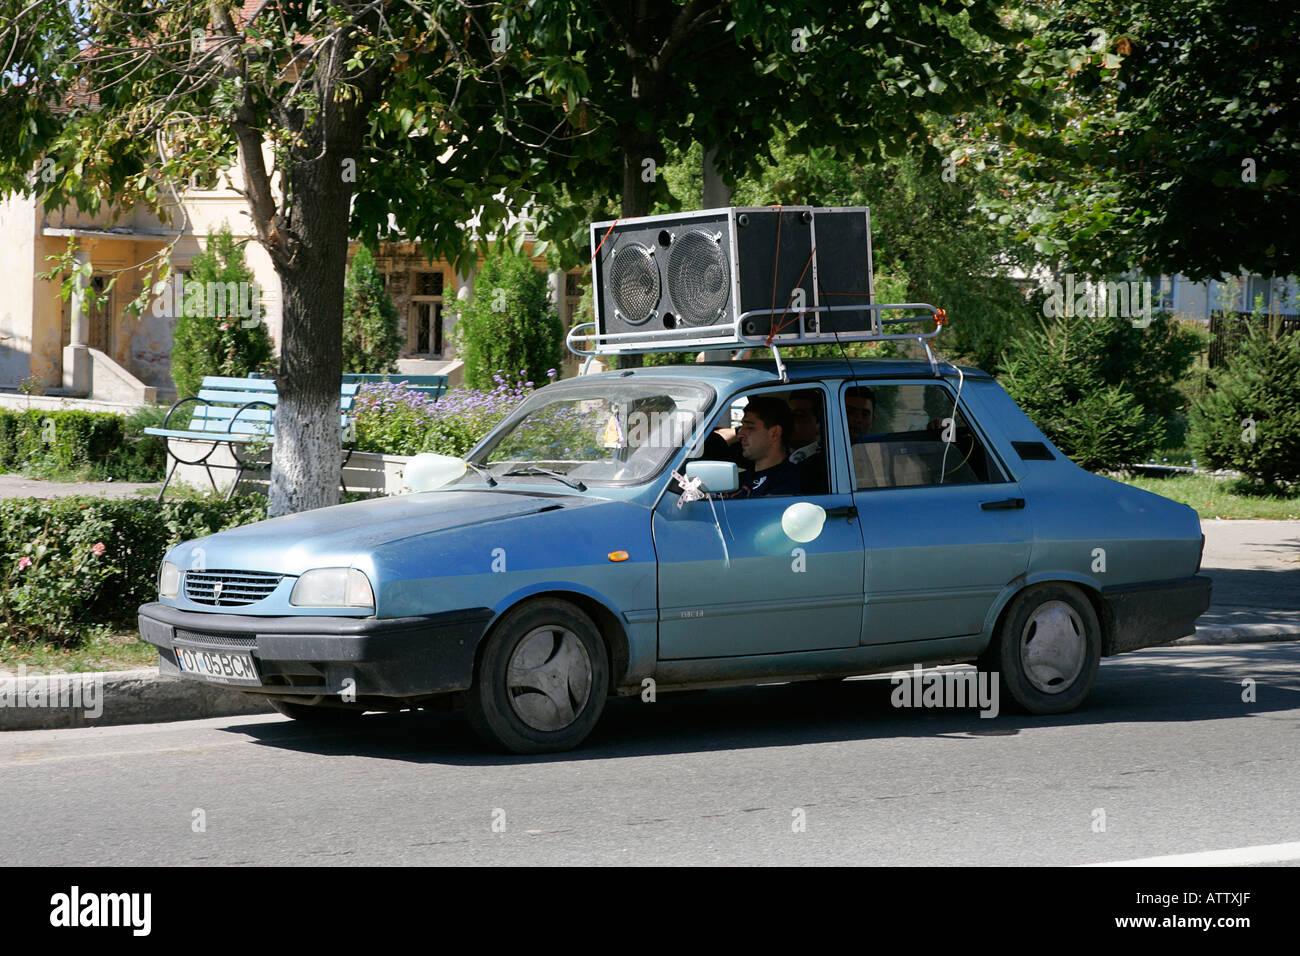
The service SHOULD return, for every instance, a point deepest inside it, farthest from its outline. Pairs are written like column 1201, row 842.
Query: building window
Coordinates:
column 428, row 283
column 1226, row 294
column 1263, row 291
column 1163, row 298
column 424, row 330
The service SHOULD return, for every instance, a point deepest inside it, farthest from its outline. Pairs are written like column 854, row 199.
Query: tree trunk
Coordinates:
column 642, row 156
column 307, row 458
column 640, row 150
column 716, row 192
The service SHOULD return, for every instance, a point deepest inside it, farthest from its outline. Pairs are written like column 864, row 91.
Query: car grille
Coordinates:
column 215, row 640
column 229, row 588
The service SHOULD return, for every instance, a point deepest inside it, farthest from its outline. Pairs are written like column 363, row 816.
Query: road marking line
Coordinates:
column 1241, row 856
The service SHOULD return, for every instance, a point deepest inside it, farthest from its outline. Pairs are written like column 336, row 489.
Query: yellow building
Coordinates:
column 77, row 348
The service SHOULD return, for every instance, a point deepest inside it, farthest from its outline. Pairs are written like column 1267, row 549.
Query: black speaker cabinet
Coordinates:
column 697, row 272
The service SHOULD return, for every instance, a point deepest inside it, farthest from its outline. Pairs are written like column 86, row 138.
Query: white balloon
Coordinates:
column 803, row 521
column 426, row 472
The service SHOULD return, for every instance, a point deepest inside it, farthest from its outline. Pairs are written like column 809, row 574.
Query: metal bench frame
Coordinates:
column 237, row 401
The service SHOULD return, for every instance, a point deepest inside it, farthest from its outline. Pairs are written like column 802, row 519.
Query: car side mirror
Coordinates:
column 426, row 471
column 716, row 477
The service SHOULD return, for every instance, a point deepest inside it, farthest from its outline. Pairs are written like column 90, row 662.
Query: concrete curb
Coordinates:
column 1262, row 633
column 145, row 697
column 117, row 697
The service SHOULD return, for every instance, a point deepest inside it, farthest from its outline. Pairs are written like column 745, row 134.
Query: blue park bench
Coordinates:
column 432, row 385
column 240, row 414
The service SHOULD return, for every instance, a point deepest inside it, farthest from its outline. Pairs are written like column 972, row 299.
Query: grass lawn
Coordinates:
column 98, row 652
column 1222, row 497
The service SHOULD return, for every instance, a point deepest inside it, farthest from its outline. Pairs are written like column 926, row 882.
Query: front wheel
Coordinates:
column 1048, row 648
column 541, row 682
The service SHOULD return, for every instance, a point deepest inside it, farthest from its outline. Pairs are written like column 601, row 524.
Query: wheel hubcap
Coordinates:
column 549, row 678
column 1053, row 647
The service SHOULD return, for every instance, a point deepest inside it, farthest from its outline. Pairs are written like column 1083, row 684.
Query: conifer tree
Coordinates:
column 371, row 340
column 220, row 330
column 1249, row 418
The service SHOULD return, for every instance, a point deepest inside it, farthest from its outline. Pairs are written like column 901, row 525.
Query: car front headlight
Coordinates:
column 333, row 587
column 169, row 580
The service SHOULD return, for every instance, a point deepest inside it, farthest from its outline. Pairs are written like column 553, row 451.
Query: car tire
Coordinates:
column 1047, row 648
column 310, row 714
column 541, row 680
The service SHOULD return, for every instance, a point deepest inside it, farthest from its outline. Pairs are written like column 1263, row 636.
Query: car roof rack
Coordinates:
column 791, row 329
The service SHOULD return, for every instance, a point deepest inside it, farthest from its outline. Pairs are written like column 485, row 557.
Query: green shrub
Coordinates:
column 1151, row 363
column 208, row 339
column 1099, row 388
column 1249, row 416
column 72, row 564
column 70, row 445
column 371, row 341
column 57, row 440
column 140, row 457
column 509, row 323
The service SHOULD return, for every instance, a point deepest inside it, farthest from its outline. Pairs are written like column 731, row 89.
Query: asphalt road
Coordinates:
column 1165, row 758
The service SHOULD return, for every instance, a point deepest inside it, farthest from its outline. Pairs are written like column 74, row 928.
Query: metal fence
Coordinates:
column 1228, row 330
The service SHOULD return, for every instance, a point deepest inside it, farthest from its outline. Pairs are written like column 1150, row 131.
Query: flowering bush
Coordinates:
column 46, row 591
column 394, row 420
column 73, row 563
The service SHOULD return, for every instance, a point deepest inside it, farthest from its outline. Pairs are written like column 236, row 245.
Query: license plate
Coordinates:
column 224, row 667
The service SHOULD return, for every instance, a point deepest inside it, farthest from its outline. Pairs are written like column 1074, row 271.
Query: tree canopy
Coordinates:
column 1162, row 135
column 640, row 80
column 342, row 117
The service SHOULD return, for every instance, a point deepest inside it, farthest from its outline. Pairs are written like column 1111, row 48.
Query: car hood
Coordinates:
column 332, row 537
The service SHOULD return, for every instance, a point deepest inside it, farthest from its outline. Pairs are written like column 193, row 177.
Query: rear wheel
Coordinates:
column 1048, row 648
column 541, row 682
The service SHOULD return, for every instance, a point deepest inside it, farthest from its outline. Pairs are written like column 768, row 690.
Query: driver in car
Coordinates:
column 763, row 441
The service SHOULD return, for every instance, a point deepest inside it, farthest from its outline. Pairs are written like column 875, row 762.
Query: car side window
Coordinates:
column 804, row 411
column 908, row 436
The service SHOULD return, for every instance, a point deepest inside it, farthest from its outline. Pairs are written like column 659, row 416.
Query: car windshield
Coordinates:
column 603, row 433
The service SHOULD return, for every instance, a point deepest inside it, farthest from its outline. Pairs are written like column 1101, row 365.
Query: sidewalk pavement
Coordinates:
column 17, row 486
column 1255, row 567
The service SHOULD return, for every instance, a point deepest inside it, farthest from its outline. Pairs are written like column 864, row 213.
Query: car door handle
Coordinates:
column 1006, row 504
column 847, row 511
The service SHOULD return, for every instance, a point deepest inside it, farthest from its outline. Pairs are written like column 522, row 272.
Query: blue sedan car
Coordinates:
column 603, row 539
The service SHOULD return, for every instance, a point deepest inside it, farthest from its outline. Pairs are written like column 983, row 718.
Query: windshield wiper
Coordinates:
column 533, row 470
column 482, row 473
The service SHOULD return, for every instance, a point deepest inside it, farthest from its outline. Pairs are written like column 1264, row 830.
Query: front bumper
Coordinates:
column 404, row 657
column 1143, row 615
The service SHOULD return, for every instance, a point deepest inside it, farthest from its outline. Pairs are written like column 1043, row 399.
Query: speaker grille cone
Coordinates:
column 698, row 278
column 634, row 281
